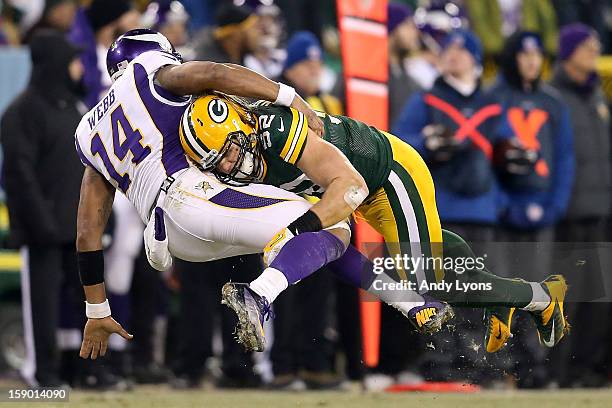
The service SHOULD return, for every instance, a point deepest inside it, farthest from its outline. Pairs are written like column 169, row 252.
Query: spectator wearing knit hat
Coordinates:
column 403, row 39
column 303, row 68
column 577, row 80
column 593, row 13
column 432, row 122
column 534, row 191
column 586, row 219
column 94, row 29
column 538, row 197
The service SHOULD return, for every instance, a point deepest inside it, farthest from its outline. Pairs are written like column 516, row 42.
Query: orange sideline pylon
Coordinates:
column 363, row 38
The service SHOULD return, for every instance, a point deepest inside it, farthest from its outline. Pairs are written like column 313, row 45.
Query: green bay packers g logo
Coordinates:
column 217, row 110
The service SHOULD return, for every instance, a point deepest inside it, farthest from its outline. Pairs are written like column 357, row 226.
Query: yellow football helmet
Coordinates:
column 210, row 126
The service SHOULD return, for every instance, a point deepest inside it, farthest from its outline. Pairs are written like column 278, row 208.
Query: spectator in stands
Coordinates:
column 301, row 350
column 236, row 34
column 202, row 13
column 436, row 122
column 589, row 206
column 403, row 38
column 592, row 13
column 307, row 15
column 9, row 29
column 42, row 176
column 452, row 126
column 23, row 14
column 58, row 15
column 539, row 121
column 267, row 59
column 434, row 20
column 494, row 21
column 95, row 28
column 302, row 70
column 169, row 18
column 536, row 170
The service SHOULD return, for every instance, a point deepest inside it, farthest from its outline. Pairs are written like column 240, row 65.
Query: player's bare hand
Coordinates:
column 96, row 334
column 314, row 121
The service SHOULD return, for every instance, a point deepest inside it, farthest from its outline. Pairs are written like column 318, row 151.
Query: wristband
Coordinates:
column 286, row 94
column 308, row 222
column 97, row 310
column 91, row 267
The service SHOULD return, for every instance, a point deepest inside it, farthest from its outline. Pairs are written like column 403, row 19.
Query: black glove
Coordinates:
column 511, row 157
column 440, row 143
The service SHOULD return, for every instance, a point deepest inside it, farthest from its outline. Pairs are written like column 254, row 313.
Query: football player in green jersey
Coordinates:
column 358, row 168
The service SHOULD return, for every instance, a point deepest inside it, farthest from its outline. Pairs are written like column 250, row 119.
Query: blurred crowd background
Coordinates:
column 526, row 81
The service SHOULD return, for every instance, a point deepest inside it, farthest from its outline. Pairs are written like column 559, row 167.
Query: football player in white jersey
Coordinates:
column 130, row 142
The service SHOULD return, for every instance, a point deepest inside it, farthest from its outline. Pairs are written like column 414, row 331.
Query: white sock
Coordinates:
column 409, row 298
column 269, row 284
column 539, row 300
column 405, row 307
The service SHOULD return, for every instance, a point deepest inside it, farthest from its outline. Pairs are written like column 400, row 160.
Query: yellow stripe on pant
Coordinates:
column 404, row 209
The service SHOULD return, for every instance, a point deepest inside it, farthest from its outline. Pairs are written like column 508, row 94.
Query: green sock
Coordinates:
column 492, row 291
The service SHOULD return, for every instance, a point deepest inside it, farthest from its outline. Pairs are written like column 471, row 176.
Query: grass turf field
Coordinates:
column 151, row 397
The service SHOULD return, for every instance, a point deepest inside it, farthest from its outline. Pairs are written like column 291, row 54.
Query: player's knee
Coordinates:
column 455, row 246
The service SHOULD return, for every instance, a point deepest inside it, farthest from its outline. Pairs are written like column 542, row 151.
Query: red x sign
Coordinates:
column 468, row 127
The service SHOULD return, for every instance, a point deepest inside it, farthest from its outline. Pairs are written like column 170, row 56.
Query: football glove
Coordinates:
column 440, row 143
column 511, row 157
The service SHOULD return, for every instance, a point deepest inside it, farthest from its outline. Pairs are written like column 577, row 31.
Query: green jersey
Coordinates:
column 283, row 137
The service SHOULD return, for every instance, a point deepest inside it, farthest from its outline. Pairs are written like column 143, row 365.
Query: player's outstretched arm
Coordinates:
column 95, row 206
column 345, row 188
column 198, row 77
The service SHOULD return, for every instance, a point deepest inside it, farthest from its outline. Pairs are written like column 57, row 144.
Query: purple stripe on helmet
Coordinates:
column 166, row 118
column 237, row 199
